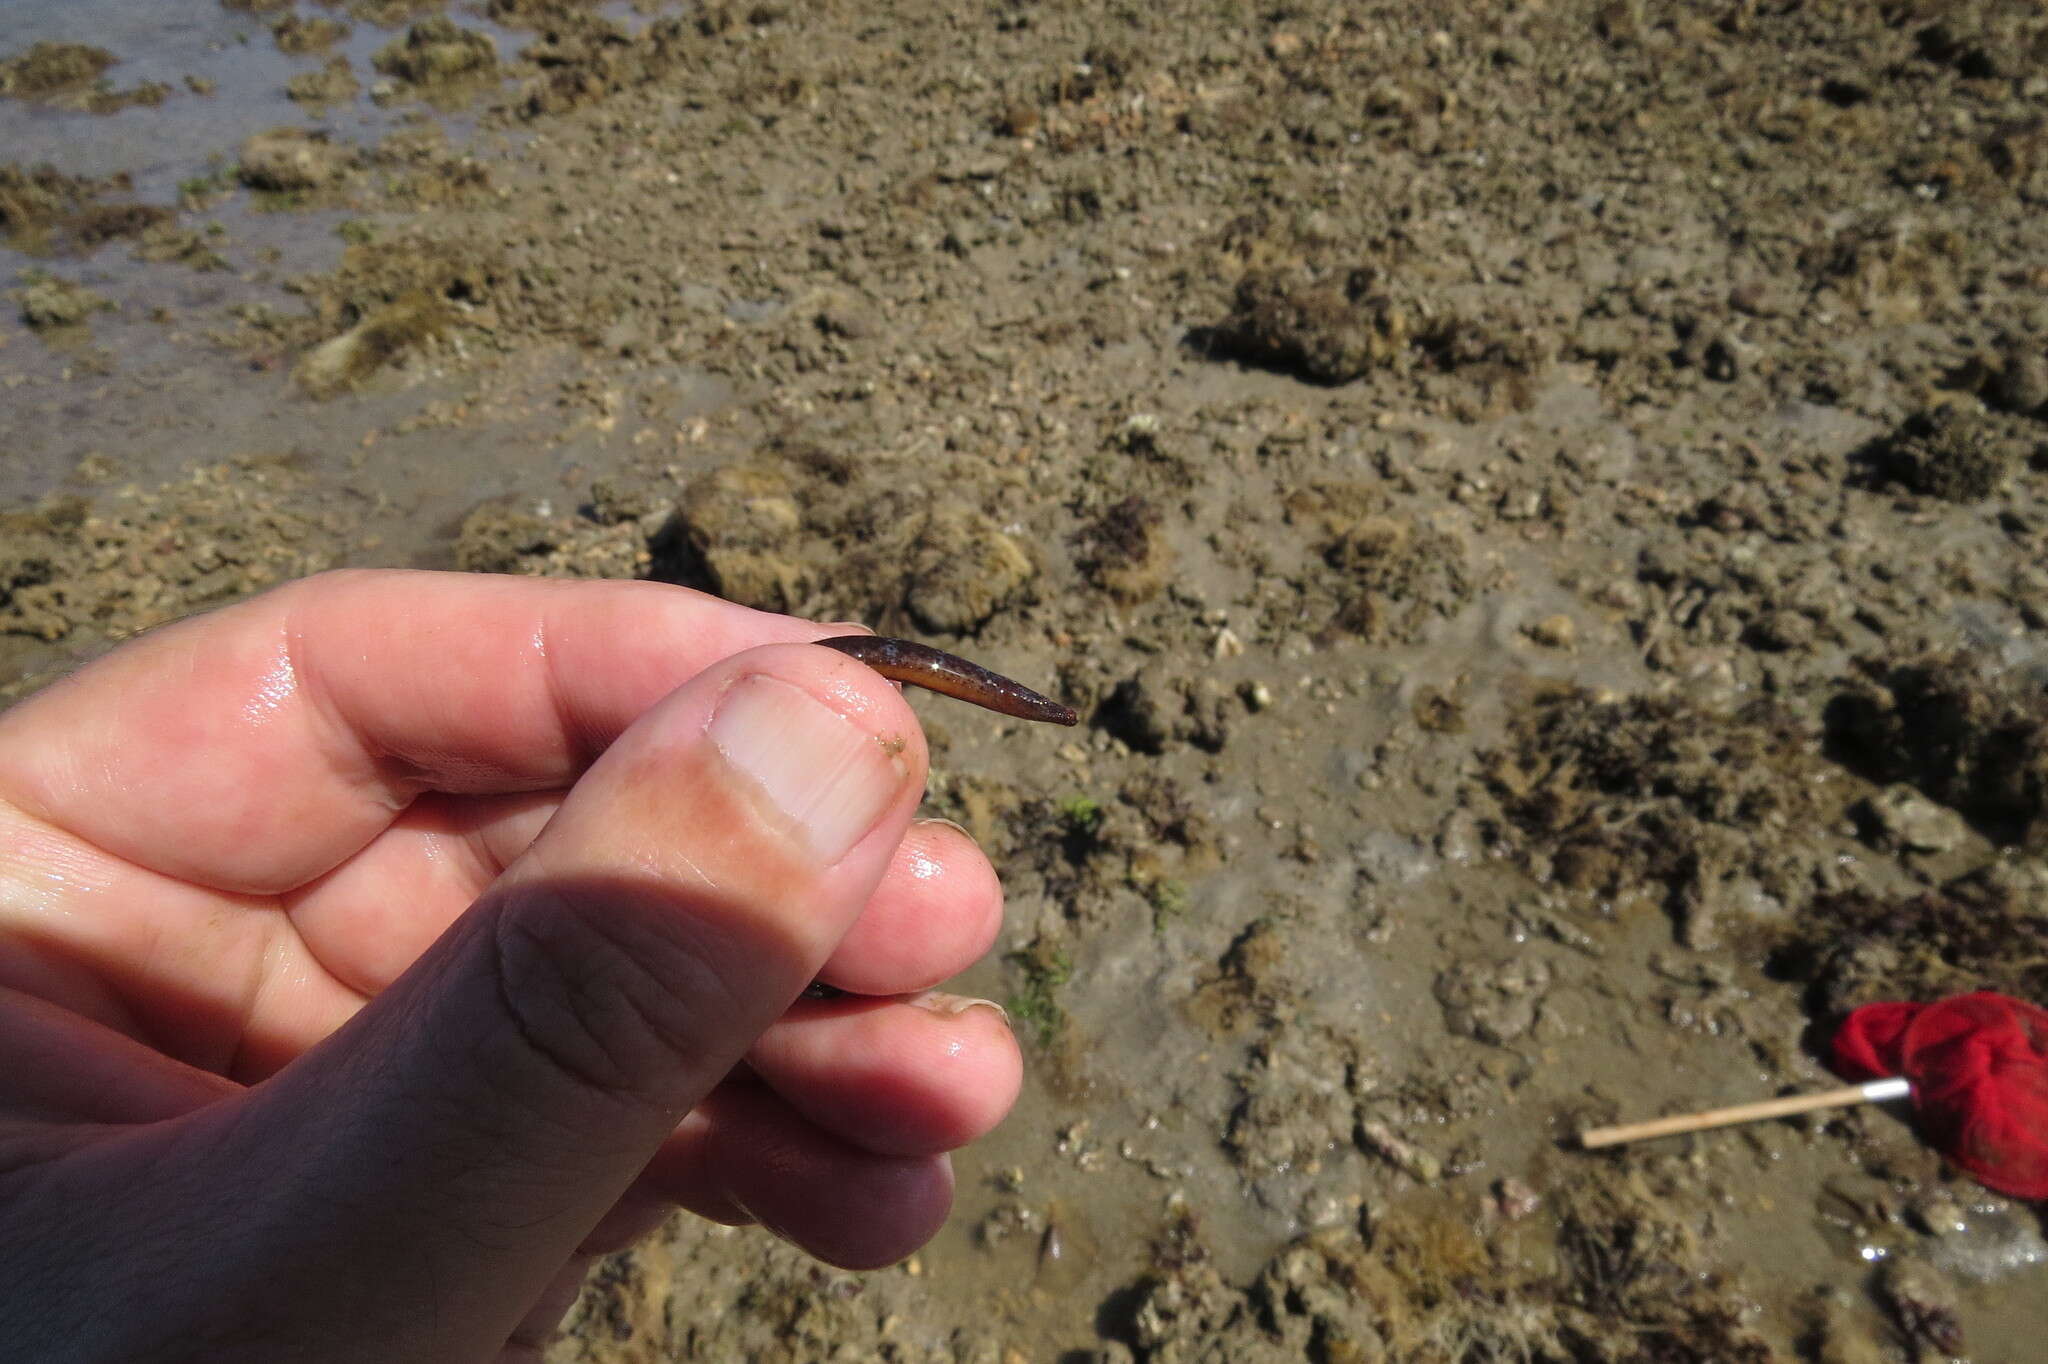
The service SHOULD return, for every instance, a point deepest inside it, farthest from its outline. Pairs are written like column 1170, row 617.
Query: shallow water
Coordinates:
column 166, row 43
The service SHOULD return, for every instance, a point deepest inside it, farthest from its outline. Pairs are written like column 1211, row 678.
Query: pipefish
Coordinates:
column 920, row 665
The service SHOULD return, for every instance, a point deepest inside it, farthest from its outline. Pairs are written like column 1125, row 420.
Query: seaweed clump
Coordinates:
column 1629, row 1280
column 1394, row 574
column 1318, row 328
column 1968, row 734
column 1949, row 452
column 70, row 75
column 1125, row 552
column 437, row 49
column 1609, row 797
column 1987, row 930
column 46, row 68
column 44, row 210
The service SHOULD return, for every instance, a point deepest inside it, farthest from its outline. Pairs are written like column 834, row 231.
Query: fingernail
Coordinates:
column 954, row 825
column 939, row 1002
column 828, row 777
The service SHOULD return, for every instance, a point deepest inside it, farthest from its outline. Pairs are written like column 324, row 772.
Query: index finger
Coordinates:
column 255, row 748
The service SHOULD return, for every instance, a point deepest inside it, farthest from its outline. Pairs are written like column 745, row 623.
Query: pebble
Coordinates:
column 1553, row 632
column 1900, row 817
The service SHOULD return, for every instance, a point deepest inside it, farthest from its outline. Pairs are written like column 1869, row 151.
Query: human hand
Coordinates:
column 375, row 952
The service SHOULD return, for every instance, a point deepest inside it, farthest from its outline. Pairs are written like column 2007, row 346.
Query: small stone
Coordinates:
column 1841, row 1335
column 1493, row 1002
column 1520, row 504
column 1936, row 1213
column 1781, row 631
column 1553, row 632
column 1143, row 709
column 1411, row 1159
column 1924, row 1304
column 1514, row 1199
column 1900, row 818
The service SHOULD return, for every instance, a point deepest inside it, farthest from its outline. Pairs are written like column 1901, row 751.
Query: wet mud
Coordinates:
column 1541, row 509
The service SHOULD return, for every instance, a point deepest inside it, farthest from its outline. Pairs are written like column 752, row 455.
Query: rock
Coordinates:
column 35, row 198
column 742, row 526
column 59, row 303
column 1923, row 1304
column 615, row 498
column 48, row 67
column 185, row 245
column 514, row 534
column 1553, row 632
column 137, row 557
column 1935, row 1212
column 105, row 222
column 343, row 361
column 1177, row 1307
column 1393, row 575
column 287, row 159
column 1460, row 839
column 1327, row 331
column 1841, row 1335
column 1493, row 1002
column 1109, row 1352
column 1159, row 705
column 1988, row 1241
column 437, row 49
column 331, row 84
column 1781, row 631
column 1514, row 1199
column 964, row 569
column 501, row 532
column 1971, row 736
column 1296, row 1110
column 1900, row 819
column 1410, row 1159
column 1252, row 983
column 299, row 36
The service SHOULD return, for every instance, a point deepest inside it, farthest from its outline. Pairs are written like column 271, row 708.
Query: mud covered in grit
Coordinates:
column 1542, row 508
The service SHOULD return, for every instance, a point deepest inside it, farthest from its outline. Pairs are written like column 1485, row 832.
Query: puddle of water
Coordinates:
column 143, row 384
column 160, row 146
column 188, row 133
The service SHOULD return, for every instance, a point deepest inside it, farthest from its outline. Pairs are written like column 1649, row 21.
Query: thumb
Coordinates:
column 464, row 1132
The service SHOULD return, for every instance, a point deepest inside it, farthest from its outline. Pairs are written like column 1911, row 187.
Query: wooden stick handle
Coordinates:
column 1875, row 1091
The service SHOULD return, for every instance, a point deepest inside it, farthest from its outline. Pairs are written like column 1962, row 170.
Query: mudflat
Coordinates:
column 1540, row 507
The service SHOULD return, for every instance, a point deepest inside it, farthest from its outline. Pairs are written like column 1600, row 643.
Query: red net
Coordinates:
column 1979, row 1068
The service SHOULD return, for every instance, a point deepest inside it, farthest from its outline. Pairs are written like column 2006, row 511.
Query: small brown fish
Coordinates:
column 920, row 665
